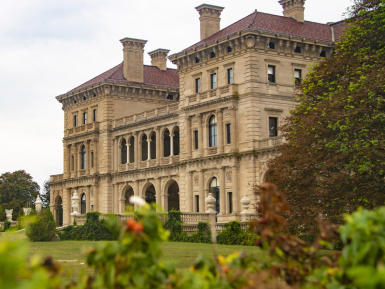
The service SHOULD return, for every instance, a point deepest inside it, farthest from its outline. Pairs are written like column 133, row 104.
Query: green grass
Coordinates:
column 183, row 254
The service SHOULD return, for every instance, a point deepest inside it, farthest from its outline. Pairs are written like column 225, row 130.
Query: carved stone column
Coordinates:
column 136, row 150
column 115, row 156
column 88, row 199
column 128, row 156
column 148, row 148
column 135, row 187
column 77, row 162
column 96, row 158
column 171, row 145
column 140, row 151
column 222, row 191
column 88, row 157
column 68, row 170
column 189, row 192
column 234, row 138
column 188, row 138
column 220, row 130
column 67, row 209
column 157, row 131
column 200, row 136
column 158, row 192
column 234, row 179
column 202, row 196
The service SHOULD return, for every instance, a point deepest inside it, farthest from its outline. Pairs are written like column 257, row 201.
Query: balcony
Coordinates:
column 228, row 90
column 269, row 142
column 89, row 127
column 55, row 178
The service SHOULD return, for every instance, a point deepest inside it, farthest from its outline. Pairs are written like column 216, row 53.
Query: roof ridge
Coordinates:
column 255, row 18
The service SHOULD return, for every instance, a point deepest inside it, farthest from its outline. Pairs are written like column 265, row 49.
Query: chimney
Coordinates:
column 210, row 21
column 294, row 9
column 133, row 59
column 159, row 58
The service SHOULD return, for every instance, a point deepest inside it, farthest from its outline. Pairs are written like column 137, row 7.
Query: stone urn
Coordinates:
column 26, row 211
column 210, row 203
column 8, row 214
column 245, row 201
column 38, row 203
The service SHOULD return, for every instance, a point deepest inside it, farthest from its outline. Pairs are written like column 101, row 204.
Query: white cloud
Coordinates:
column 49, row 47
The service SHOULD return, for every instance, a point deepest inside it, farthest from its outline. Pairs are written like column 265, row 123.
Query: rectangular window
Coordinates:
column 84, row 118
column 228, row 132
column 75, row 120
column 198, row 85
column 72, row 163
column 213, row 80
column 273, row 126
column 230, row 76
column 230, row 202
column 94, row 115
column 271, row 73
column 323, row 53
column 297, row 50
column 298, row 76
column 271, row 45
column 92, row 159
column 197, row 203
column 195, row 139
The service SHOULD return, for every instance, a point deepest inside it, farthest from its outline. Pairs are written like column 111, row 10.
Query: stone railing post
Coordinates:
column 75, row 206
column 8, row 214
column 245, row 201
column 210, row 204
column 38, row 203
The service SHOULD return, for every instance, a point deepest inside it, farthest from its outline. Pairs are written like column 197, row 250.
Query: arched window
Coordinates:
column 83, row 204
column 153, row 146
column 166, row 144
column 124, row 151
column 144, row 148
column 83, row 158
column 176, row 141
column 132, row 149
column 215, row 190
column 213, row 131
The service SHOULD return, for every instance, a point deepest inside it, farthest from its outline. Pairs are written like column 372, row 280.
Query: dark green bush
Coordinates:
column 43, row 228
column 174, row 223
column 92, row 230
column 7, row 225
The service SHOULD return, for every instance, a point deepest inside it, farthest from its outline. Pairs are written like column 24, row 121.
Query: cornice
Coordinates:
column 69, row 138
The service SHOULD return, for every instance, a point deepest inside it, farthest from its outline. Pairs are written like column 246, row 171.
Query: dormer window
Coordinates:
column 229, row 49
column 94, row 94
column 196, row 60
column 84, row 98
column 212, row 54
column 271, row 45
column 74, row 101
column 170, row 97
column 323, row 53
column 298, row 49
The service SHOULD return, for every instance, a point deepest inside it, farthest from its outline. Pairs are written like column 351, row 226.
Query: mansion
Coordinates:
column 172, row 136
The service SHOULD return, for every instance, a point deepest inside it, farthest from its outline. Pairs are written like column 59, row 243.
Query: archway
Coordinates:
column 150, row 194
column 215, row 190
column 83, row 209
column 166, row 143
column 127, row 193
column 59, row 211
column 176, row 141
column 173, row 196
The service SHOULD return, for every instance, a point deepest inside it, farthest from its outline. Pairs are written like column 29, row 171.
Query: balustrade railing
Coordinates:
column 192, row 218
column 270, row 142
column 94, row 126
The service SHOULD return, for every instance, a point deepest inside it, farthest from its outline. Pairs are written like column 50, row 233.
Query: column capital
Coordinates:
column 218, row 111
column 189, row 117
column 232, row 107
column 198, row 115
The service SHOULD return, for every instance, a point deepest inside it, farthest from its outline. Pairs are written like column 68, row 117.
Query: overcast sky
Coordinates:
column 49, row 47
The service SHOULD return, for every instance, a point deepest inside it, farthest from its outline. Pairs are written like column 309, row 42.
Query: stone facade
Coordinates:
column 174, row 144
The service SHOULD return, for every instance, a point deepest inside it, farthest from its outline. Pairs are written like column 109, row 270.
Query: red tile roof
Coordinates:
column 152, row 76
column 276, row 24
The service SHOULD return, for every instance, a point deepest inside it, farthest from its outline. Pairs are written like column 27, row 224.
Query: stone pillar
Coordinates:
column 96, row 158
column 38, row 203
column 68, row 175
column 200, row 135
column 234, row 178
column 148, row 148
column 88, row 199
column 234, row 138
column 95, row 189
column 115, row 154
column 222, row 191
column 161, row 139
column 189, row 192
column 122, row 204
column 188, row 138
column 171, row 145
column 136, row 150
column 135, row 188
column 76, row 160
column 119, row 162
column 88, row 157
column 75, row 206
column 210, row 203
column 128, row 156
column 66, row 207
column 202, row 196
column 140, row 151
column 157, row 131
column 220, row 130
column 158, row 192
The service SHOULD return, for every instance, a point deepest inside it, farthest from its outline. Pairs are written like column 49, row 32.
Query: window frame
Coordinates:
column 75, row 120
column 271, row 45
column 212, row 82
column 298, row 80
column 228, row 133
column 85, row 117
column 298, row 49
column 197, row 203
column 230, row 199
column 276, row 126
column 198, row 85
column 230, row 75
column 94, row 115
column 196, row 139
column 274, row 74
column 213, row 132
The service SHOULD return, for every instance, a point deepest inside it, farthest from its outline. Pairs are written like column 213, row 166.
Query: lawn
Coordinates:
column 183, row 254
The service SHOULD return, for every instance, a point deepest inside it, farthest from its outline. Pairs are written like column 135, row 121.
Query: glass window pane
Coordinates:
column 273, row 126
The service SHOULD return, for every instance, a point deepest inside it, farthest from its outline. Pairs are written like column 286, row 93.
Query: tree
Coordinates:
column 334, row 157
column 46, row 196
column 17, row 190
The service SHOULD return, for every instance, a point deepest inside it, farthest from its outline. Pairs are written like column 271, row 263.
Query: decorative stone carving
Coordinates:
column 210, row 203
column 196, row 181
column 26, row 211
column 245, row 201
column 8, row 214
column 75, row 204
column 229, row 178
column 38, row 203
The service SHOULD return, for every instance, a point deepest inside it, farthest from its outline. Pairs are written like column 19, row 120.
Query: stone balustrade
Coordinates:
column 145, row 115
column 55, row 178
column 89, row 127
column 269, row 142
column 228, row 90
column 194, row 218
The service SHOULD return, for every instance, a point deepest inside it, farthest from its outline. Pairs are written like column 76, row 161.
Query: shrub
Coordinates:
column 92, row 230
column 42, row 229
column 7, row 225
column 174, row 223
